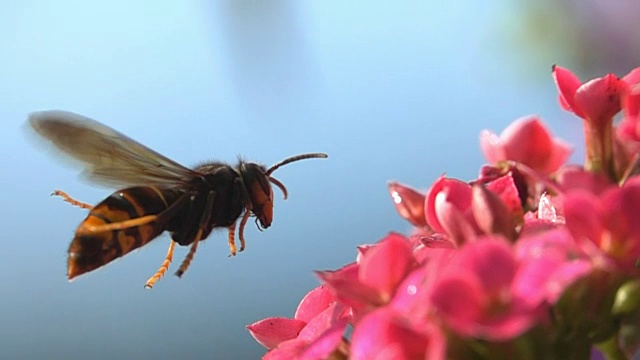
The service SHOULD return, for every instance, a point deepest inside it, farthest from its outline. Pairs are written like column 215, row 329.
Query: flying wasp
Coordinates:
column 159, row 194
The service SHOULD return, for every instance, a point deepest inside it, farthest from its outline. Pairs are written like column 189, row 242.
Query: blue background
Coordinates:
column 389, row 92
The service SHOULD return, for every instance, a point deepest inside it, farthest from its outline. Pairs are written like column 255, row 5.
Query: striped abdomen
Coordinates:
column 90, row 250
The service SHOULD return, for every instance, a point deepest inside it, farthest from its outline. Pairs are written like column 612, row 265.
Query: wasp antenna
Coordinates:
column 295, row 158
column 280, row 185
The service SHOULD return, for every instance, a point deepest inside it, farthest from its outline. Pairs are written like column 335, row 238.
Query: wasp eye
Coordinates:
column 259, row 191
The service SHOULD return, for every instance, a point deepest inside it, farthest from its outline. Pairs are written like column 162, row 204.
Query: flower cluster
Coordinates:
column 533, row 259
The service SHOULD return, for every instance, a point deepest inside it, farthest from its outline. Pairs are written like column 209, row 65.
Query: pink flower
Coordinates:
column 412, row 295
column 491, row 213
column 454, row 208
column 550, row 261
column 448, row 209
column 629, row 128
column 534, row 257
column 409, row 203
column 610, row 222
column 385, row 334
column 480, row 294
column 507, row 190
column 596, row 100
column 572, row 178
column 373, row 280
column 313, row 333
column 527, row 141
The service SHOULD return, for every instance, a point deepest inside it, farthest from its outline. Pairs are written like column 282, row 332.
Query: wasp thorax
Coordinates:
column 259, row 191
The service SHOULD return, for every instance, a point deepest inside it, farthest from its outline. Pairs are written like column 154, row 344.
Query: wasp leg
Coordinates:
column 204, row 220
column 243, row 222
column 169, row 257
column 232, row 239
column 71, row 200
column 163, row 268
column 187, row 260
column 121, row 225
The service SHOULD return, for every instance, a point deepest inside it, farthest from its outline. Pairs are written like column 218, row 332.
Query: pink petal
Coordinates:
column 630, row 125
column 272, row 331
column 582, row 215
column 381, row 335
column 362, row 249
column 530, row 282
column 318, row 339
column 456, row 222
column 621, row 207
column 557, row 243
column 412, row 295
column 528, row 141
column 491, row 214
column 383, row 267
column 600, row 98
column 474, row 297
column 632, row 106
column 409, row 203
column 574, row 178
column 509, row 325
column 491, row 146
column 348, row 289
column 564, row 276
column 627, row 129
column 454, row 191
column 314, row 303
column 560, row 153
column 567, row 83
column 333, row 316
column 492, row 261
column 550, row 262
column 633, row 77
column 466, row 310
column 288, row 350
column 459, row 299
column 327, row 342
column 424, row 252
column 506, row 188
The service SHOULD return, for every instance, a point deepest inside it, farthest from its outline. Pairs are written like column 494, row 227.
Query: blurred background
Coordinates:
column 390, row 92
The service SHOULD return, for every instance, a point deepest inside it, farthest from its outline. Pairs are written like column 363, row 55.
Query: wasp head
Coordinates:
column 259, row 192
column 258, row 180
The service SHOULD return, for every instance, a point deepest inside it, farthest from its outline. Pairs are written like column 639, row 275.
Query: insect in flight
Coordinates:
column 159, row 194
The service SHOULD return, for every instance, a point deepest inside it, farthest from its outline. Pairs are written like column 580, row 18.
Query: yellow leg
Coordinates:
column 163, row 268
column 231, row 240
column 71, row 200
column 187, row 260
column 120, row 225
column 243, row 222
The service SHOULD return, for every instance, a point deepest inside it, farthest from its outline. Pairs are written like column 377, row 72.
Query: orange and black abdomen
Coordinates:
column 90, row 250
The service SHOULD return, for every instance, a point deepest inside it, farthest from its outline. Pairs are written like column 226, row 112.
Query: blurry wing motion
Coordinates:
column 110, row 158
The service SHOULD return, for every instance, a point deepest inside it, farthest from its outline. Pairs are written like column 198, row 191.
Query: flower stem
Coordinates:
column 611, row 350
column 599, row 145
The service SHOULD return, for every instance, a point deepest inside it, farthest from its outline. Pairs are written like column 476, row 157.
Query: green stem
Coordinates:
column 611, row 350
column 598, row 135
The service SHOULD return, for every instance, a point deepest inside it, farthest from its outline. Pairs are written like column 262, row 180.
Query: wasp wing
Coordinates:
column 109, row 157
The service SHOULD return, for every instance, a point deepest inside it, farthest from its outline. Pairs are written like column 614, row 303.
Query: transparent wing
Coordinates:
column 109, row 157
